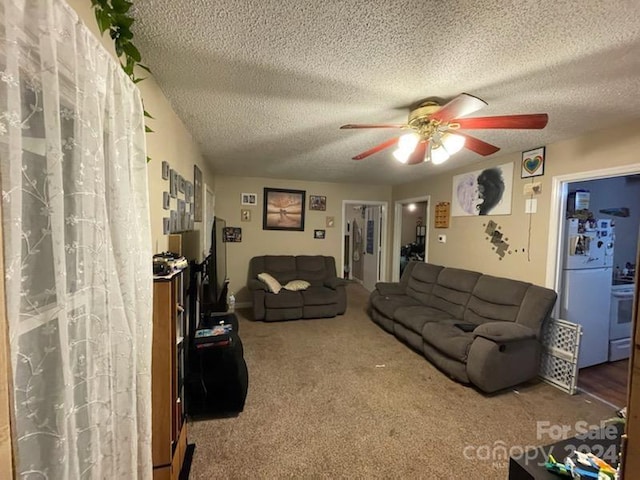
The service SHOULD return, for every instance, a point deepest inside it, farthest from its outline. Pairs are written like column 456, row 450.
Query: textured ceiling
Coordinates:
column 263, row 86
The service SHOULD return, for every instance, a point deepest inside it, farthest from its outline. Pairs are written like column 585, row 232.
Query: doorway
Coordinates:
column 410, row 233
column 364, row 245
column 591, row 264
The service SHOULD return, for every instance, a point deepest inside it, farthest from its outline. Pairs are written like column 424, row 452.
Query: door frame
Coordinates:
column 384, row 207
column 397, row 232
column 557, row 220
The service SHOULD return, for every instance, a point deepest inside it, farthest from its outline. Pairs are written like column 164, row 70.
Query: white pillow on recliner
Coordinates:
column 295, row 285
column 272, row 284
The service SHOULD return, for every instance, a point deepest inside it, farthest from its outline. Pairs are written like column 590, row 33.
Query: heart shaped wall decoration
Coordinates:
column 533, row 163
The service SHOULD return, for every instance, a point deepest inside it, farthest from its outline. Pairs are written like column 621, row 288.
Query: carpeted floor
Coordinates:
column 340, row 397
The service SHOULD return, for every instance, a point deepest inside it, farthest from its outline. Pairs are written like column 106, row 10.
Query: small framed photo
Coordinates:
column 317, row 202
column 173, row 183
column 532, row 163
column 319, row 234
column 232, row 234
column 188, row 191
column 166, row 224
column 248, row 199
column 245, row 215
column 166, row 199
column 173, row 221
column 180, row 183
column 165, row 170
column 197, row 194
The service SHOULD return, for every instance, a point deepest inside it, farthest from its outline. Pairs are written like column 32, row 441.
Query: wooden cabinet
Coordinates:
column 169, row 437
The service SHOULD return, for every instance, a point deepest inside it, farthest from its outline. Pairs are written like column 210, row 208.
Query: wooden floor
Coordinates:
column 607, row 381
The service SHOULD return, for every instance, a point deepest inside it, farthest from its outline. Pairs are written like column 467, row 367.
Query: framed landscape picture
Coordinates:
column 283, row 209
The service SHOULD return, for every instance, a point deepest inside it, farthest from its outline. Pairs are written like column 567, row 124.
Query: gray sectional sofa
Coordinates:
column 325, row 297
column 477, row 328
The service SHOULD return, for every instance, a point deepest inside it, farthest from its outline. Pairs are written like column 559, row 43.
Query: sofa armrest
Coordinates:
column 504, row 332
column 389, row 288
column 254, row 285
column 334, row 282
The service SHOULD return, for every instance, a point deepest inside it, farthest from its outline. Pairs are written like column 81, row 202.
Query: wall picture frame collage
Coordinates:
column 181, row 211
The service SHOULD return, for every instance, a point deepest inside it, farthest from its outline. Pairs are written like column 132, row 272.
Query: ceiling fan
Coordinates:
column 435, row 130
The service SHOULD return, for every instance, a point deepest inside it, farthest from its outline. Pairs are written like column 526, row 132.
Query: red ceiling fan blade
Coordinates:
column 373, row 125
column 464, row 104
column 476, row 145
column 533, row 121
column 377, row 148
column 418, row 154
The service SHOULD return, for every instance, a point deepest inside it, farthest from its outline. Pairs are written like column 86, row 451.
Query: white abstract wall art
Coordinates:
column 483, row 192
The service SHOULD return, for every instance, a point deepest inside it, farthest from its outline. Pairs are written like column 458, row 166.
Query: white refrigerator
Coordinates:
column 586, row 287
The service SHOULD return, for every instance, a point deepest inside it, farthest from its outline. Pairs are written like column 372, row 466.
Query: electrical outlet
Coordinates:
column 532, row 188
column 442, row 238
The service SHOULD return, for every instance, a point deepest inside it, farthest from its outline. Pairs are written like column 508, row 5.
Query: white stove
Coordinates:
column 620, row 321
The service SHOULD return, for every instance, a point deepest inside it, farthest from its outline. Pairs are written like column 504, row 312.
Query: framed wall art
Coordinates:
column 232, row 234
column 248, row 199
column 483, row 192
column 317, row 202
column 173, row 183
column 532, row 163
column 283, row 209
column 197, row 194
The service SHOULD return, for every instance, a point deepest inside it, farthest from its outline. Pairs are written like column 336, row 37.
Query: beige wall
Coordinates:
column 256, row 241
column 467, row 245
column 170, row 141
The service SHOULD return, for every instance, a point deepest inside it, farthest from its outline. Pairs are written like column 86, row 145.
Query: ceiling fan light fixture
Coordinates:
column 406, row 145
column 453, row 143
column 408, row 142
column 401, row 155
column 438, row 155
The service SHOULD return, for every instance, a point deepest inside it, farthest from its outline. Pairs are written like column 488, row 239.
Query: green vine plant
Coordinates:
column 112, row 16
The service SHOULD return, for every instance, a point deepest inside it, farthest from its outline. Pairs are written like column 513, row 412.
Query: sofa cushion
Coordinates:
column 448, row 339
column 388, row 304
column 281, row 267
column 271, row 283
column 536, row 307
column 319, row 296
column 284, row 299
column 423, row 278
column 453, row 290
column 494, row 299
column 415, row 317
column 314, row 268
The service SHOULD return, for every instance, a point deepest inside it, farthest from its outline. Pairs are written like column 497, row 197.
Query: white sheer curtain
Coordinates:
column 77, row 248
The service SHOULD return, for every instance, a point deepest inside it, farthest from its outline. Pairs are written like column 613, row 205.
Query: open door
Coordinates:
column 364, row 249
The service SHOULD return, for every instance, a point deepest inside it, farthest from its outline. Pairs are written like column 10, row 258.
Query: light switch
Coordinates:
column 531, row 205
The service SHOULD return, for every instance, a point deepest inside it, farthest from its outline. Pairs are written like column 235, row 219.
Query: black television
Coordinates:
column 215, row 281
